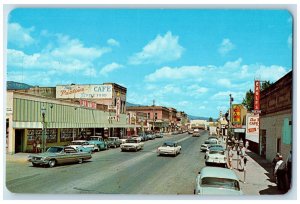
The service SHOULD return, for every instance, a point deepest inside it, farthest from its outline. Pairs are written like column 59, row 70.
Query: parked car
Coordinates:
column 150, row 136
column 124, row 138
column 216, row 156
column 137, row 137
column 159, row 135
column 217, row 181
column 132, row 144
column 169, row 148
column 113, row 142
column 196, row 133
column 98, row 140
column 58, row 155
column 83, row 146
column 207, row 143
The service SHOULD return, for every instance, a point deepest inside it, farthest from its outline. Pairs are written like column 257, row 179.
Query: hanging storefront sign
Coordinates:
column 252, row 128
column 256, row 95
column 88, row 104
column 236, row 115
column 84, row 91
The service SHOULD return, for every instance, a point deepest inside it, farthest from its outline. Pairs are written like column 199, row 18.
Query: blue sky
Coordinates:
column 189, row 59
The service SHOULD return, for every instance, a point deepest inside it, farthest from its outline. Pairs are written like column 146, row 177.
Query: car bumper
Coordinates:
column 129, row 148
column 38, row 162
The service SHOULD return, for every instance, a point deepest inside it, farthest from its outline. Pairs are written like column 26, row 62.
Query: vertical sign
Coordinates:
column 118, row 107
column 236, row 119
column 256, row 95
column 252, row 128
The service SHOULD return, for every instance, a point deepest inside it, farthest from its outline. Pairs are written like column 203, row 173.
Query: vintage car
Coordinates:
column 217, row 181
column 132, row 144
column 216, row 156
column 58, row 155
column 207, row 143
column 190, row 131
column 124, row 138
column 98, row 140
column 169, row 148
column 196, row 133
column 150, row 136
column 159, row 135
column 113, row 142
column 83, row 146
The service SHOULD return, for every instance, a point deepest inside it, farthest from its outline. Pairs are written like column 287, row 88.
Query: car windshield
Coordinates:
column 168, row 144
column 216, row 152
column 220, row 183
column 131, row 141
column 95, row 138
column 76, row 143
column 55, row 149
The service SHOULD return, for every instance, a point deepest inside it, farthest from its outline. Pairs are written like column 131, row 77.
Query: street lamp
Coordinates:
column 43, row 111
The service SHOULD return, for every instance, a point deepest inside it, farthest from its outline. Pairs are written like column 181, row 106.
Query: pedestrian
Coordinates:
column 38, row 145
column 247, row 145
column 274, row 161
column 230, row 157
column 289, row 169
column 280, row 173
column 242, row 154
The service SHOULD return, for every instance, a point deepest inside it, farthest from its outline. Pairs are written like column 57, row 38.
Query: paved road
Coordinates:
column 116, row 172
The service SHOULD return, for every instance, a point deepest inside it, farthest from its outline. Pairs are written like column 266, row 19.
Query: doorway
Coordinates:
column 19, row 138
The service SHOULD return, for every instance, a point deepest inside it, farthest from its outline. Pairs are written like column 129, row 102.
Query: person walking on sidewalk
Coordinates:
column 242, row 154
column 230, row 157
column 289, row 169
column 280, row 173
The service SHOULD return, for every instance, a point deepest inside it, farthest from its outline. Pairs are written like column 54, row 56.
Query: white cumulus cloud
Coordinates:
column 113, row 42
column 109, row 68
column 226, row 46
column 19, row 36
column 175, row 73
column 162, row 49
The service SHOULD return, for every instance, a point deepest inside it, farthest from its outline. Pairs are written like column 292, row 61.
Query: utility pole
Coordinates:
column 153, row 115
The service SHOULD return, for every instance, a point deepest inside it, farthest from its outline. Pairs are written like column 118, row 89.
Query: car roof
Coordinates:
column 170, row 142
column 216, row 148
column 218, row 172
column 79, row 141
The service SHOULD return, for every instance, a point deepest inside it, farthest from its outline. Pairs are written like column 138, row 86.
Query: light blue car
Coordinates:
column 217, row 181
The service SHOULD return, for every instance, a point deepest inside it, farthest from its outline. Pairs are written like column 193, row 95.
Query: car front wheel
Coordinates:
column 52, row 163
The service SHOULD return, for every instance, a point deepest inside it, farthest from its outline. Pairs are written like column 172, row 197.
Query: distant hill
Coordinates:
column 12, row 85
column 131, row 104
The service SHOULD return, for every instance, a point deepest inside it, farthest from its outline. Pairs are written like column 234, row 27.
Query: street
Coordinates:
column 116, row 172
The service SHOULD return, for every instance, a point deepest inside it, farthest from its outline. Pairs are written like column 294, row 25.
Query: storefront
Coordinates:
column 64, row 121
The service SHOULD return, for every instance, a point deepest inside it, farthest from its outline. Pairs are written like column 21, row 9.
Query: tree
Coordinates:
column 210, row 119
column 248, row 101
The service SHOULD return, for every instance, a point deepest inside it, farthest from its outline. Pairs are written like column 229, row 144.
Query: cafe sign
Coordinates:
column 84, row 91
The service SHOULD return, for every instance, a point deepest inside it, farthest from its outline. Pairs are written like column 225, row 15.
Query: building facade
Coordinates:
column 276, row 118
column 63, row 119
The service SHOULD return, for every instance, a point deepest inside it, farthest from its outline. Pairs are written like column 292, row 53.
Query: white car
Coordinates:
column 83, row 146
column 217, row 181
column 216, row 156
column 132, row 144
column 169, row 148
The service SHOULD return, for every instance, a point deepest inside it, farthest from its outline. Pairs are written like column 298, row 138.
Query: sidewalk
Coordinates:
column 258, row 178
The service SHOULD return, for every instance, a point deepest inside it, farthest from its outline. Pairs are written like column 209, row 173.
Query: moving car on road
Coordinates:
column 132, row 144
column 196, row 133
column 169, row 148
column 217, row 181
column 59, row 155
column 216, row 156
